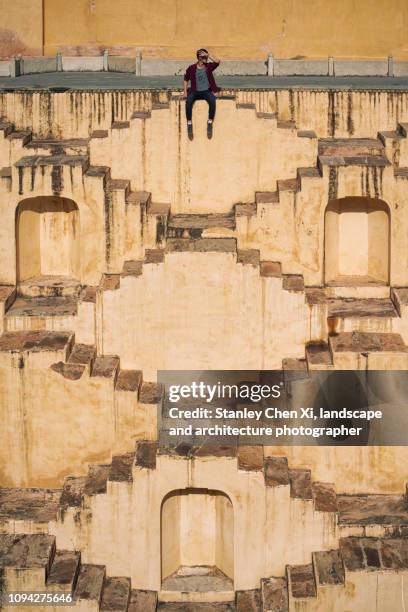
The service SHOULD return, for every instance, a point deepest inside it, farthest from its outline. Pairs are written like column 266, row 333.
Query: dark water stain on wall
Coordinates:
column 108, row 224
column 333, row 183
column 291, row 105
column 350, row 122
column 331, row 114
column 57, row 181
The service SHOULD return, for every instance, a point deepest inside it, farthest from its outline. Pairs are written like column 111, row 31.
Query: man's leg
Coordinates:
column 191, row 98
column 212, row 101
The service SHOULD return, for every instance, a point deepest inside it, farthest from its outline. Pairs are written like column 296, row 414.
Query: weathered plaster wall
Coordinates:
column 234, row 29
column 55, row 426
column 164, row 320
column 21, row 29
column 76, row 114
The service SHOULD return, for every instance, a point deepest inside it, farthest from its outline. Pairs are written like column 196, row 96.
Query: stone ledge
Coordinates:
column 276, row 471
column 329, row 567
column 360, row 342
column 33, row 504
column 201, row 245
column 129, row 380
column 34, row 341
column 301, row 484
column 121, row 468
column 302, row 581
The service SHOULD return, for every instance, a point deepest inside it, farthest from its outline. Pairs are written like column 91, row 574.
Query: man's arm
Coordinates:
column 187, row 78
column 214, row 59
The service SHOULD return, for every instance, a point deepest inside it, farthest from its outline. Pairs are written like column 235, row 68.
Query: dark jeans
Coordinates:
column 208, row 96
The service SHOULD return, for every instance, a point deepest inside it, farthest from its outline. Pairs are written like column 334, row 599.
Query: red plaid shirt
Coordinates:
column 190, row 75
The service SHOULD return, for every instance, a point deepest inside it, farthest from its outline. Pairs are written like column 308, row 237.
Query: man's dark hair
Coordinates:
column 199, row 51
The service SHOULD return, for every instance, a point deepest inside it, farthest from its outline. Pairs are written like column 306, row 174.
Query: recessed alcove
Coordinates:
column 47, row 238
column 197, row 544
column 357, row 242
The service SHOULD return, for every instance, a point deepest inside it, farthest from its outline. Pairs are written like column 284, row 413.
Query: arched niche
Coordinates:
column 357, row 241
column 47, row 238
column 197, row 540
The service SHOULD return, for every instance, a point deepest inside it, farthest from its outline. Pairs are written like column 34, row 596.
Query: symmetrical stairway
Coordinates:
column 371, row 540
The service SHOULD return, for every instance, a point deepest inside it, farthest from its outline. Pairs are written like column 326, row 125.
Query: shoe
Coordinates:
column 190, row 131
column 209, row 129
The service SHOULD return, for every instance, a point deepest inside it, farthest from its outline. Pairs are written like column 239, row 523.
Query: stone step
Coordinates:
column 96, row 481
column 24, row 136
column 72, row 492
column 361, row 308
column 37, row 342
column 250, row 458
column 266, row 197
column 142, row 601
column 192, row 226
column 308, row 172
column 301, row 484
column 106, row 366
column 274, row 593
column 368, row 554
column 350, row 147
column 293, row 282
column 33, row 504
column 35, row 161
column 121, row 468
column 64, row 571
column 318, row 356
column 49, row 286
column 43, row 307
column 142, row 198
column 129, row 380
column 352, row 151
column 71, row 146
column 364, row 510
column 90, row 583
column 120, row 185
column 301, row 581
column 328, row 568
column 23, row 551
column 288, row 185
column 98, row 172
column 115, row 595
column 348, row 347
column 248, row 601
column 83, row 354
column 276, row 472
column 378, row 161
column 324, row 497
column 165, row 606
column 201, row 245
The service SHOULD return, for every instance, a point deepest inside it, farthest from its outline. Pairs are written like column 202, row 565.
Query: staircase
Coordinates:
column 336, row 578
column 34, row 560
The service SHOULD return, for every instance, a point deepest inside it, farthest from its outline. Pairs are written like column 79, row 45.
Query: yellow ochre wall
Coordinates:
column 234, row 29
column 21, row 27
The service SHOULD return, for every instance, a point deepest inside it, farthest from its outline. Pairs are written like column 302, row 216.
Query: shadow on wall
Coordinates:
column 343, row 391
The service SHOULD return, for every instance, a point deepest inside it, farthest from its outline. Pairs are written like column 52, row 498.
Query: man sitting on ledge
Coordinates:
column 202, row 87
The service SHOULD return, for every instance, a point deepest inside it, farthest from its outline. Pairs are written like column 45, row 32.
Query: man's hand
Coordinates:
column 213, row 58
